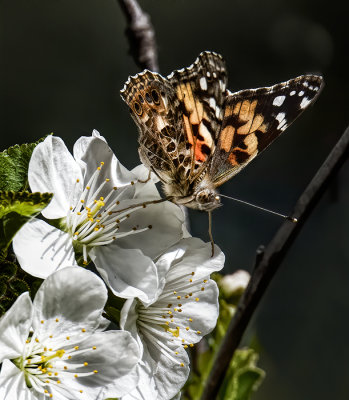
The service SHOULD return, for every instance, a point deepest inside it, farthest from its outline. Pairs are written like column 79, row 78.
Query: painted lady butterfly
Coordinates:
column 195, row 134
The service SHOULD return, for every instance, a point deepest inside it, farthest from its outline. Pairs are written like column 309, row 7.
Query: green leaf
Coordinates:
column 243, row 376
column 15, row 210
column 14, row 166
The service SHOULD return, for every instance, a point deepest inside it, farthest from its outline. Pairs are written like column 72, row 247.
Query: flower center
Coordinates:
column 95, row 219
column 167, row 322
column 48, row 364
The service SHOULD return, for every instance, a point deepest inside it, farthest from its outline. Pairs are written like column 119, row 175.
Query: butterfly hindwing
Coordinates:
column 253, row 118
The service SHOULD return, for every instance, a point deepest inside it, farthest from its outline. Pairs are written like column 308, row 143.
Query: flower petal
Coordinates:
column 53, row 169
column 89, row 152
column 128, row 273
column 166, row 221
column 115, row 355
column 196, row 258
column 12, row 384
column 42, row 249
column 69, row 300
column 14, row 327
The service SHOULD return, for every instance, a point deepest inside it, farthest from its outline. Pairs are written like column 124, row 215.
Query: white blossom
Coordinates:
column 184, row 310
column 99, row 207
column 55, row 347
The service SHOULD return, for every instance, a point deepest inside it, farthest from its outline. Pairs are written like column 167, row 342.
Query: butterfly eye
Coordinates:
column 155, row 96
column 138, row 108
column 148, row 98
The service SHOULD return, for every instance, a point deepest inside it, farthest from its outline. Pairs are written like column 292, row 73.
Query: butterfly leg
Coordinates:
column 147, row 180
column 210, row 231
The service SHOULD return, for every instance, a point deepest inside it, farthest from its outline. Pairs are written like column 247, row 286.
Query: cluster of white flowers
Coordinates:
column 57, row 346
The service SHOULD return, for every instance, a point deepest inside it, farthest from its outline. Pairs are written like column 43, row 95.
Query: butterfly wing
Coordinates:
column 178, row 117
column 254, row 118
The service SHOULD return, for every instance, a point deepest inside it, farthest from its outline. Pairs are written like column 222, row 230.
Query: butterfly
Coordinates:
column 194, row 134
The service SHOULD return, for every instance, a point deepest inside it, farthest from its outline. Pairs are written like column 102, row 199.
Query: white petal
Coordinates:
column 203, row 313
column 146, row 388
column 42, row 249
column 53, row 169
column 197, row 258
column 115, row 357
column 14, row 327
column 128, row 321
column 166, row 220
column 89, row 152
column 121, row 386
column 75, row 297
column 169, row 376
column 128, row 273
column 12, row 384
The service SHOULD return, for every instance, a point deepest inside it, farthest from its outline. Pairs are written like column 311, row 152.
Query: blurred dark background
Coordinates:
column 62, row 65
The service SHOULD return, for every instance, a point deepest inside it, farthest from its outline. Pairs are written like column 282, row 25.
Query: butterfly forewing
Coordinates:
column 252, row 119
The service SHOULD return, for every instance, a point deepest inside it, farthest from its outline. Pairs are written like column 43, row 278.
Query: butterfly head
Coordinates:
column 205, row 200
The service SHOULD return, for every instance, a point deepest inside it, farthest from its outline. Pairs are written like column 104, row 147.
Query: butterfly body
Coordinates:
column 194, row 134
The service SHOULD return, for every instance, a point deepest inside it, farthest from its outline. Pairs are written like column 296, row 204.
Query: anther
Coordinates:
column 150, row 226
column 197, row 299
column 42, row 321
column 85, row 364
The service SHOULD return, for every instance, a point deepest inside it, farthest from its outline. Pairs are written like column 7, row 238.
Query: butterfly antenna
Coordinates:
column 210, row 231
column 289, row 218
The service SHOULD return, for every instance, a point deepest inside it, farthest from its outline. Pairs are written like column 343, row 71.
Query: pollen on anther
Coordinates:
column 80, row 391
column 85, row 364
column 76, row 348
column 37, row 340
column 57, row 320
column 68, row 337
column 190, row 320
column 134, row 228
column 178, row 297
column 78, row 180
column 82, row 201
column 205, row 280
column 75, row 376
column 102, row 162
column 185, row 346
column 174, row 292
column 179, row 305
column 117, row 202
column 182, row 365
column 193, row 273
column 95, row 371
column 132, row 183
column 58, row 382
column 197, row 299
column 83, row 330
column 42, row 321
column 198, row 332
column 94, row 348
column 107, row 180
column 115, row 188
column 176, row 352
column 85, row 262
column 65, row 367
column 88, row 188
column 169, row 305
column 202, row 289
column 187, row 328
column 69, row 357
column 190, row 280
column 191, row 345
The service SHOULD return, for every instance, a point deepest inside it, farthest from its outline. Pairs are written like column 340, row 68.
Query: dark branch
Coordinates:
column 141, row 35
column 269, row 262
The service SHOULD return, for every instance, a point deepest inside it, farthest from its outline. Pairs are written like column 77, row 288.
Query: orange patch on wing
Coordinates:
column 226, row 138
column 232, row 160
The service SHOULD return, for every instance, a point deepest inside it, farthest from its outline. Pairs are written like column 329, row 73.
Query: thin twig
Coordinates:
column 141, row 35
column 270, row 261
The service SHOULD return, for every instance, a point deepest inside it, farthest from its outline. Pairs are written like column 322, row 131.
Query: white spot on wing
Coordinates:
column 279, row 100
column 280, row 117
column 305, row 101
column 300, row 93
column 203, row 83
column 306, row 84
column 293, row 93
column 212, row 103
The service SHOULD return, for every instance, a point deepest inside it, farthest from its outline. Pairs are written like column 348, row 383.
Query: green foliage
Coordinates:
column 15, row 210
column 243, row 376
column 14, row 166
